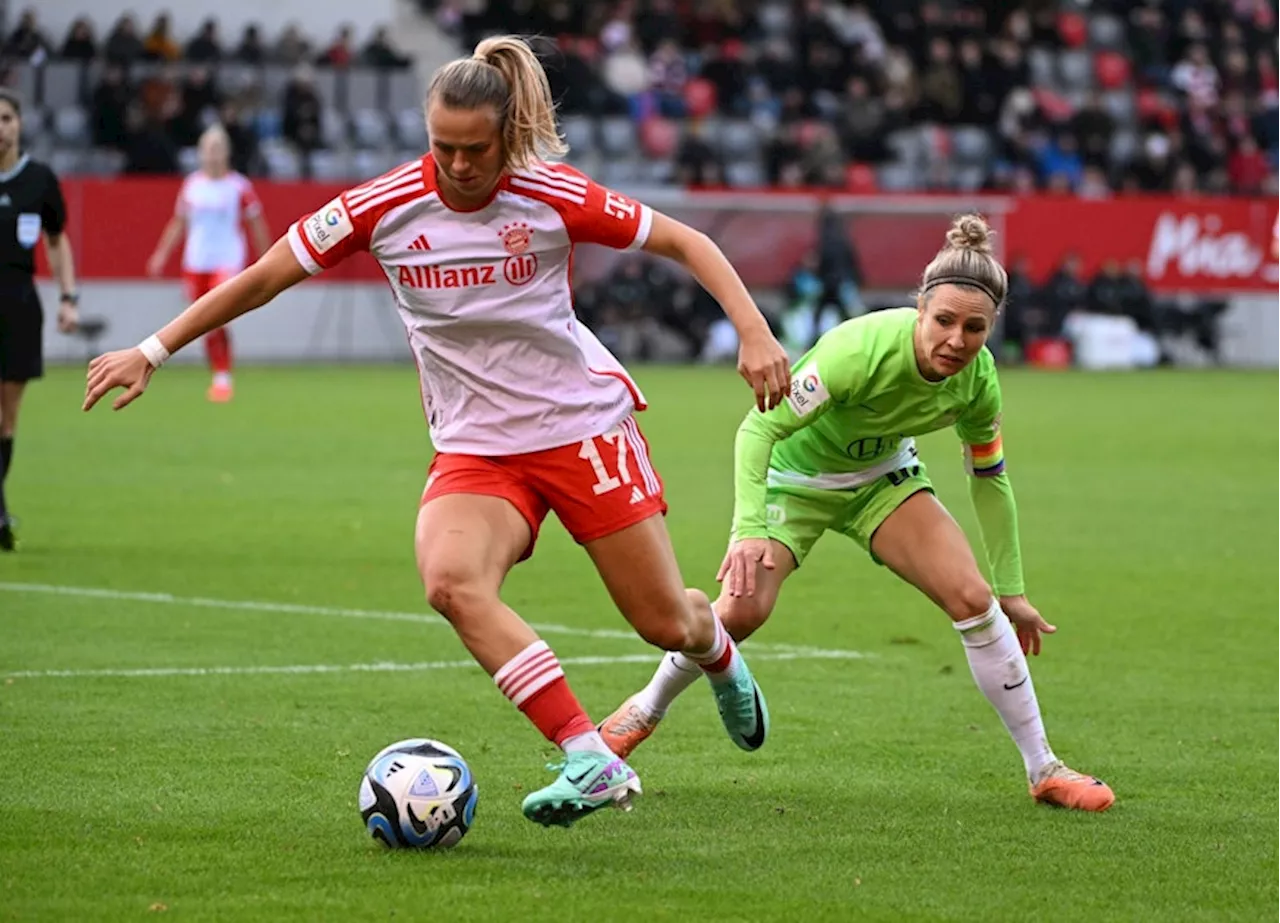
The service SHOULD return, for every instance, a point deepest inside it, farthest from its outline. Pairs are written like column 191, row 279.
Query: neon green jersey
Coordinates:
column 856, row 400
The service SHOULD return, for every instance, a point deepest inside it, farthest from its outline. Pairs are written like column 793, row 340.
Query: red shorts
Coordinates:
column 595, row 487
column 201, row 283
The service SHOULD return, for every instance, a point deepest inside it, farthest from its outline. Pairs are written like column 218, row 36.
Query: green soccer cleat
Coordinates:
column 587, row 782
column 742, row 707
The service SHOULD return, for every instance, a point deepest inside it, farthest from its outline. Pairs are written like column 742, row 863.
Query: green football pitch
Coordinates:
column 214, row 622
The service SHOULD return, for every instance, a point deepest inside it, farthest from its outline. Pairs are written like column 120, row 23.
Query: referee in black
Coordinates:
column 31, row 206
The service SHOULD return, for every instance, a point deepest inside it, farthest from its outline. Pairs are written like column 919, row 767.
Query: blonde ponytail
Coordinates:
column 506, row 74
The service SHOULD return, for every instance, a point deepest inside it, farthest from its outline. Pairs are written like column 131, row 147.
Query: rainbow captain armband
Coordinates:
column 985, row 461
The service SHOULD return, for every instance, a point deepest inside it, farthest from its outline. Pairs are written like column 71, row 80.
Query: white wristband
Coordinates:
column 154, row 350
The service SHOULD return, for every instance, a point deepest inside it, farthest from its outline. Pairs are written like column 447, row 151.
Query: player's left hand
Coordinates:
column 1027, row 621
column 68, row 318
column 764, row 364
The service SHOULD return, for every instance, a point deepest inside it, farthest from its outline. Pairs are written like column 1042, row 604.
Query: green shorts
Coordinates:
column 799, row 515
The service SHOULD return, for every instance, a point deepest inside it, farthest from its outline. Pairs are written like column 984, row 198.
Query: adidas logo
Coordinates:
column 420, row 243
column 637, row 496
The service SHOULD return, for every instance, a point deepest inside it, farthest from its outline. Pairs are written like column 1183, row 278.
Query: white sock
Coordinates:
column 1000, row 670
column 222, row 379
column 590, row 742
column 674, row 675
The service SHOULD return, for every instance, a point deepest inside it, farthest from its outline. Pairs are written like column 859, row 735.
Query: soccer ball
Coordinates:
column 418, row 793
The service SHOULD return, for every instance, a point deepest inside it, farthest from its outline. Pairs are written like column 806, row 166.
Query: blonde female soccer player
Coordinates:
column 214, row 204
column 838, row 455
column 529, row 413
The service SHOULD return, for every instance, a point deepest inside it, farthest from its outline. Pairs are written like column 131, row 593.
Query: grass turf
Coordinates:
column 888, row 791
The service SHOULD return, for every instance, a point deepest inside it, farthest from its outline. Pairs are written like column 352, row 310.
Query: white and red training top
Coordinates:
column 485, row 296
column 215, row 209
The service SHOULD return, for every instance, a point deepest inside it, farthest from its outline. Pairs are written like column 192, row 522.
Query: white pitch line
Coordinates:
column 380, row 667
column 253, row 605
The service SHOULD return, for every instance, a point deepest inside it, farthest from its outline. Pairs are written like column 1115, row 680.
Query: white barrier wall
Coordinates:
column 318, row 19
column 311, row 323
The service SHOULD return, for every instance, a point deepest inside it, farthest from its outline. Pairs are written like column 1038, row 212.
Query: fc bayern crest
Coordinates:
column 515, row 238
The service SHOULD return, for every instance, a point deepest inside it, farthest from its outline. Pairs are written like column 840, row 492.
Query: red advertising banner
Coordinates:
column 1185, row 244
column 1196, row 244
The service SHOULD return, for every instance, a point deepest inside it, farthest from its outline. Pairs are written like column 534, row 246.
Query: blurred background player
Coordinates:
column 528, row 412
column 839, row 455
column 213, row 206
column 31, row 206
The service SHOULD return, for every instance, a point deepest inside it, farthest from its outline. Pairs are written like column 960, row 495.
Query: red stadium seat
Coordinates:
column 1073, row 30
column 1111, row 69
column 1048, row 353
column 1055, row 108
column 860, row 178
column 700, row 97
column 659, row 137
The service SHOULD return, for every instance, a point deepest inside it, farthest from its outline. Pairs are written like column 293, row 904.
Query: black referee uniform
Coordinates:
column 31, row 204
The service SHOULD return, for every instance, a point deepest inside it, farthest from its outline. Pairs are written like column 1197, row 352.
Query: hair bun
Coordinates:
column 970, row 232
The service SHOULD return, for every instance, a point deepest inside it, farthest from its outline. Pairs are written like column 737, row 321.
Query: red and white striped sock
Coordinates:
column 535, row 684
column 715, row 661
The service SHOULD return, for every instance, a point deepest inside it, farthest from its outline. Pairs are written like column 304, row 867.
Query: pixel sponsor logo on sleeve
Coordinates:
column 808, row 393
column 329, row 226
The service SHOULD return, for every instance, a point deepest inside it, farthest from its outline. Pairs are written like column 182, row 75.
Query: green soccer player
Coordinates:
column 839, row 455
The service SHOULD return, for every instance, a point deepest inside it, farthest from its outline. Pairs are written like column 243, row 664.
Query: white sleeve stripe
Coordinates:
column 569, row 183
column 642, row 232
column 393, row 192
column 522, row 183
column 300, row 251
column 373, row 187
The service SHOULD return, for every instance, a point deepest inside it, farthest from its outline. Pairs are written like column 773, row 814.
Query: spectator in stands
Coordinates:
column 626, row 74
column 1093, row 184
column 1196, row 76
column 341, row 51
column 1136, row 297
column 246, row 152
column 1021, row 303
column 941, row 93
column 199, row 100
column 80, row 44
column 1064, row 293
column 206, row 47
column 251, row 50
column 862, row 121
column 148, row 149
column 159, row 45
column 109, row 106
column 379, row 53
column 302, row 112
column 27, row 40
column 1108, row 292
column 698, row 163
column 1248, row 168
column 1093, row 128
column 292, row 48
column 123, row 45
column 668, row 76
column 1148, row 41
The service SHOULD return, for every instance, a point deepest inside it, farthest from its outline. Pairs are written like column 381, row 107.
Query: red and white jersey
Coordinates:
column 506, row 367
column 215, row 210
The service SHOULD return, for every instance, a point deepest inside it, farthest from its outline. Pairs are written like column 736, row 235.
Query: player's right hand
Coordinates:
column 155, row 265
column 738, row 571
column 124, row 368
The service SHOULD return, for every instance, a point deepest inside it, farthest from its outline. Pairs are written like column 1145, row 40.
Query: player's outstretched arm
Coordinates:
column 131, row 369
column 761, row 359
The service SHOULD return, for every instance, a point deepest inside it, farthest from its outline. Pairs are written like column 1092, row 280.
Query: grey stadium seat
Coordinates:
column 579, row 132
column 411, row 129
column 618, row 136
column 1106, row 31
column 371, row 128
column 71, row 125
column 1076, row 69
column 970, row 144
